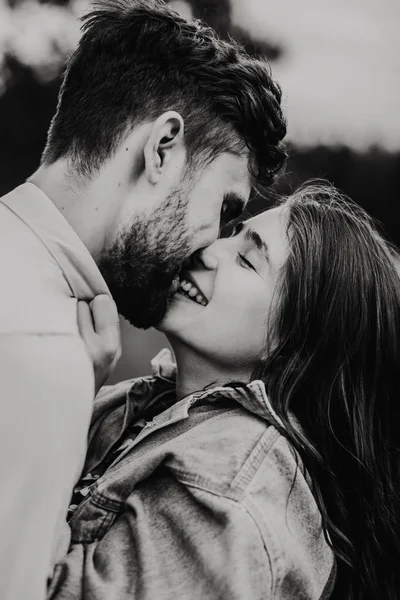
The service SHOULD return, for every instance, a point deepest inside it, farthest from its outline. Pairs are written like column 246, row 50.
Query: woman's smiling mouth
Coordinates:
column 189, row 288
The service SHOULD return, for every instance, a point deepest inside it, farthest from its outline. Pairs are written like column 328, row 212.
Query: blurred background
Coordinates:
column 338, row 63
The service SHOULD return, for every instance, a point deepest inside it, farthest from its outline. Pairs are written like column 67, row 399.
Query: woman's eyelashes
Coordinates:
column 246, row 262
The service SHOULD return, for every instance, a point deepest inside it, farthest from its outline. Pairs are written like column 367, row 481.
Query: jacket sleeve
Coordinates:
column 173, row 541
column 46, row 396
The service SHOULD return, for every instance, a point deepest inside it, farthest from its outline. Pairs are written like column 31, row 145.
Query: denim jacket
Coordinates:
column 202, row 504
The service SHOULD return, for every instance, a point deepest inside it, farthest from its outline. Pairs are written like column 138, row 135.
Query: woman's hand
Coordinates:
column 99, row 327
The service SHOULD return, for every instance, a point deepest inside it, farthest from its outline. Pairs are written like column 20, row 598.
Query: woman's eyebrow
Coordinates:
column 253, row 236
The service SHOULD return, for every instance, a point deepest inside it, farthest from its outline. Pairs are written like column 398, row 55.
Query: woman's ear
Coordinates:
column 165, row 143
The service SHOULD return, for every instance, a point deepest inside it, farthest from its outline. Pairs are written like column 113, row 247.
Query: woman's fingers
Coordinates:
column 106, row 326
column 99, row 327
column 105, row 318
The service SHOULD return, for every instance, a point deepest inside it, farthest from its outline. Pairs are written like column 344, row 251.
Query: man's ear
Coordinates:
column 166, row 138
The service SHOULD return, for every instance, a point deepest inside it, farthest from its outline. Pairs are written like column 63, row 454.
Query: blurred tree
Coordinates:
column 370, row 178
column 29, row 100
column 218, row 14
column 25, row 112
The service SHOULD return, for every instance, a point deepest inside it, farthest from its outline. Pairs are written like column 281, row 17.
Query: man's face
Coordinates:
column 142, row 266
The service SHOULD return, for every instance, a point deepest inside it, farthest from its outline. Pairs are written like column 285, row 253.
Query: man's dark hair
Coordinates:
column 137, row 59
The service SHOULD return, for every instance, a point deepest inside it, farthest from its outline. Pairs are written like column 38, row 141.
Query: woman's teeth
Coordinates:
column 190, row 290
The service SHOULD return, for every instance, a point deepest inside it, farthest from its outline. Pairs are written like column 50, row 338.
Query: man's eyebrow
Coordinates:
column 253, row 236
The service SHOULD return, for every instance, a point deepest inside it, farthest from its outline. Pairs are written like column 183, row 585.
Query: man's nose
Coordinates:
column 211, row 234
column 203, row 259
column 210, row 257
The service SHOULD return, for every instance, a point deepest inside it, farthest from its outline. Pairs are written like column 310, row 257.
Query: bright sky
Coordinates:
column 340, row 73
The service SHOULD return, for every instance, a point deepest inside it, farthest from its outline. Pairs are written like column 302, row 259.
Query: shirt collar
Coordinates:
column 39, row 213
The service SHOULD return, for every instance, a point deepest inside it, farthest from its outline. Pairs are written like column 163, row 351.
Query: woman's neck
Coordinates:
column 196, row 372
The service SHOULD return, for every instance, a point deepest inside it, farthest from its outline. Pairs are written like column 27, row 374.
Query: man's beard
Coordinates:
column 141, row 266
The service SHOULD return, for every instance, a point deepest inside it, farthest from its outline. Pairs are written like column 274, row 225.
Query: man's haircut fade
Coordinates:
column 137, row 59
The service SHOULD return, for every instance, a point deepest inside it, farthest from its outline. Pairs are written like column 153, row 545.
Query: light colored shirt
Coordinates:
column 46, row 383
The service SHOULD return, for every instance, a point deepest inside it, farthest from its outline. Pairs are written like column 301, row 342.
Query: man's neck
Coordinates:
column 72, row 199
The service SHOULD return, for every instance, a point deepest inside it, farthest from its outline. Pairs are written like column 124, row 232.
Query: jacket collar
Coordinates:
column 257, row 402
column 152, row 399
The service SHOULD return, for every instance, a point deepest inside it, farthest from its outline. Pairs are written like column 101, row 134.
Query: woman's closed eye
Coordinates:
column 246, row 262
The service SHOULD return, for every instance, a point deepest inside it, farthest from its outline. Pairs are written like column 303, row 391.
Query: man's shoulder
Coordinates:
column 35, row 297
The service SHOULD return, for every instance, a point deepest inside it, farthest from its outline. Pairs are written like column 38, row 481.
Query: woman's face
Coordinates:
column 223, row 307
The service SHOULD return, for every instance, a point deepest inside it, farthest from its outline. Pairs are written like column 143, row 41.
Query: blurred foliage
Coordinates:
column 26, row 107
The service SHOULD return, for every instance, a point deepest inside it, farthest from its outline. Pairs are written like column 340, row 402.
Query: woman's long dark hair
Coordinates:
column 335, row 364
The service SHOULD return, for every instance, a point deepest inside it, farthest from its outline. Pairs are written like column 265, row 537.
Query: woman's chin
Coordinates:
column 161, row 326
column 181, row 317
column 173, row 324
column 167, row 324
